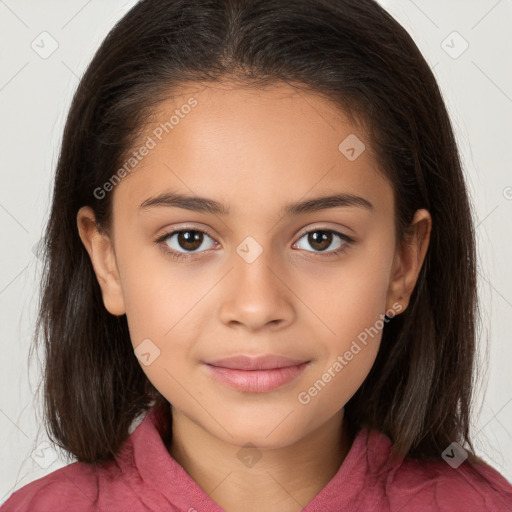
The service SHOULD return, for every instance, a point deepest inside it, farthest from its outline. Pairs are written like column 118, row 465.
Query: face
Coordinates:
column 222, row 246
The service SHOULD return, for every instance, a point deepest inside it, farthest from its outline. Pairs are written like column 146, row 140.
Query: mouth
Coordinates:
column 256, row 374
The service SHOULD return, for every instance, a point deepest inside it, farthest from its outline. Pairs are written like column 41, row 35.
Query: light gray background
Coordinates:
column 35, row 94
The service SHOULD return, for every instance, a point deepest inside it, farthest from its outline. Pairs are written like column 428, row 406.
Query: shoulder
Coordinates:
column 432, row 484
column 74, row 485
column 469, row 487
column 113, row 484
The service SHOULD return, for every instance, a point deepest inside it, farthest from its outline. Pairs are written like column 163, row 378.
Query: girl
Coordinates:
column 260, row 289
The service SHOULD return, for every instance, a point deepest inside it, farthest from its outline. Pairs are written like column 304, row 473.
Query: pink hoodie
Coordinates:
column 147, row 478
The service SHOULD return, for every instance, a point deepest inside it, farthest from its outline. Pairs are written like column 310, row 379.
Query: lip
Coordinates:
column 256, row 374
column 266, row 362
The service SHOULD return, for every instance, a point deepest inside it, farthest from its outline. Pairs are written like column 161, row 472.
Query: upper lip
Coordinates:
column 266, row 362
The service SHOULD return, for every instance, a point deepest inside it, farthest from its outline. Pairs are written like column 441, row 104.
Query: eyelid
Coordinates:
column 322, row 227
column 173, row 230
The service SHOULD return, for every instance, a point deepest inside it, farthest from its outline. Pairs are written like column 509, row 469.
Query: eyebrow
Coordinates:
column 203, row 204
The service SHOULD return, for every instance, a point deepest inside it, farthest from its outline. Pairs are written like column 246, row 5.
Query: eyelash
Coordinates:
column 184, row 256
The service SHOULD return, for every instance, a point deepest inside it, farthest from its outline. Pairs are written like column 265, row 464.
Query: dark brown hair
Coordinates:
column 355, row 54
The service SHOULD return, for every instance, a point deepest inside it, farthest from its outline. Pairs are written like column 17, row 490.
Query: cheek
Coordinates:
column 156, row 294
column 158, row 318
column 335, row 384
column 348, row 353
column 351, row 295
column 162, row 303
column 352, row 309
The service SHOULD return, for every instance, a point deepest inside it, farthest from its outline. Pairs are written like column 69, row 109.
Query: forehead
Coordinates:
column 243, row 145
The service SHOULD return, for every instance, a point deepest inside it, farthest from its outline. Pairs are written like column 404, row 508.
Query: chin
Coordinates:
column 266, row 432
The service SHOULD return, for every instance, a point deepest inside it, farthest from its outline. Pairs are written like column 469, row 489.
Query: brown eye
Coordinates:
column 321, row 239
column 189, row 240
column 180, row 242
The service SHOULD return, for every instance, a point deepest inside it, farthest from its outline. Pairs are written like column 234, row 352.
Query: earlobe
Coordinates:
column 101, row 253
column 409, row 259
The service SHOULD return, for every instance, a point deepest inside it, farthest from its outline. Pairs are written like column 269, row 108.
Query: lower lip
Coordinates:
column 256, row 381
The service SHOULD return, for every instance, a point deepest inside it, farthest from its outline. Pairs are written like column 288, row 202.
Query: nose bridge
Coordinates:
column 258, row 261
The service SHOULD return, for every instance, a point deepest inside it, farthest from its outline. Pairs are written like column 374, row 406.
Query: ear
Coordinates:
column 103, row 260
column 408, row 260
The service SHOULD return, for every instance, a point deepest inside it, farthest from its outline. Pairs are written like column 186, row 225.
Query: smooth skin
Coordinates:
column 255, row 151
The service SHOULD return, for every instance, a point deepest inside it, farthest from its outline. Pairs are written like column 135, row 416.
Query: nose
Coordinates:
column 256, row 295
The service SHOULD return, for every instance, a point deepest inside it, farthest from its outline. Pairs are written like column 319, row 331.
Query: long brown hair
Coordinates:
column 352, row 52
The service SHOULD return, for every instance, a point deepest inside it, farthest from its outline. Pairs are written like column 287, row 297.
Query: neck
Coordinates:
column 284, row 479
